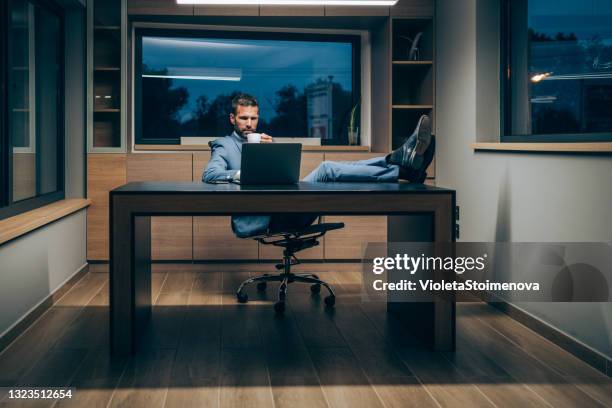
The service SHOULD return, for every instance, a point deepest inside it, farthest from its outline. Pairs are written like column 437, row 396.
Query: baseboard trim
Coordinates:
column 568, row 343
column 18, row 328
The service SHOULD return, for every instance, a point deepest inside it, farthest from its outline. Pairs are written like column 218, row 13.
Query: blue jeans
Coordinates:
column 370, row 170
column 375, row 169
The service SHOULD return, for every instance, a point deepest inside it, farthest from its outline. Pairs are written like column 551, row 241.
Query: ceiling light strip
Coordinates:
column 291, row 2
column 196, row 77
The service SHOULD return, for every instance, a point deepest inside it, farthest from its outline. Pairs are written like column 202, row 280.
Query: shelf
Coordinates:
column 421, row 107
column 19, row 68
column 206, row 147
column 101, row 27
column 107, row 69
column 594, row 147
column 18, row 225
column 400, row 62
column 107, row 110
column 20, row 110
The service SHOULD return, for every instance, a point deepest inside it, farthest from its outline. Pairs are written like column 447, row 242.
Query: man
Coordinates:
column 408, row 162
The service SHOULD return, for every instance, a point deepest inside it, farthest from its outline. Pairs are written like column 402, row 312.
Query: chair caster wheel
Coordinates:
column 316, row 288
column 279, row 307
column 330, row 301
column 242, row 297
column 261, row 286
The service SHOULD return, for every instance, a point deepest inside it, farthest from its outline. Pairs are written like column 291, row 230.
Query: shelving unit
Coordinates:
column 21, row 75
column 107, row 19
column 413, row 77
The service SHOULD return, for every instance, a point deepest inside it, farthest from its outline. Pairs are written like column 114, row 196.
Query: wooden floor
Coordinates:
column 205, row 350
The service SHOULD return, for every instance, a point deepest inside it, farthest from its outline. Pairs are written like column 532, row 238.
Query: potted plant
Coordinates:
column 353, row 129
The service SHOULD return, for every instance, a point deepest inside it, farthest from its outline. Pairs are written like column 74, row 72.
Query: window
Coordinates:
column 306, row 84
column 31, row 137
column 557, row 70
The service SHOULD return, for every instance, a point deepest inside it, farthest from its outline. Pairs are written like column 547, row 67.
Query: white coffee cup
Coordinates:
column 254, row 137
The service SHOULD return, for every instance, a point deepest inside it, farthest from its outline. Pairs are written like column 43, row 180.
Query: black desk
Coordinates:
column 132, row 205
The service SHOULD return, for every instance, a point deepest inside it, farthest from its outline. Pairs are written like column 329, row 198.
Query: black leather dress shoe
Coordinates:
column 410, row 155
column 419, row 175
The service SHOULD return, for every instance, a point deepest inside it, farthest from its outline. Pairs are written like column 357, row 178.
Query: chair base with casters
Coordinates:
column 292, row 241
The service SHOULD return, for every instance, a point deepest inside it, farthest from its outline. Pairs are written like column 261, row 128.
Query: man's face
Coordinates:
column 245, row 119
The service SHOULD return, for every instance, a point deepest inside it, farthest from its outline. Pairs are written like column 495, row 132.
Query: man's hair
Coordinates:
column 243, row 99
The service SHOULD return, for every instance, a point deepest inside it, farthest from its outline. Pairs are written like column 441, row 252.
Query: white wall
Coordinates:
column 36, row 264
column 513, row 197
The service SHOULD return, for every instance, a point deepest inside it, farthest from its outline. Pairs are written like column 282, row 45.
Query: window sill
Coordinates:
column 14, row 227
column 595, row 147
column 305, row 148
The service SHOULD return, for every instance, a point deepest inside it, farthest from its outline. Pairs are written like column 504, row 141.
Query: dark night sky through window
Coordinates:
column 188, row 82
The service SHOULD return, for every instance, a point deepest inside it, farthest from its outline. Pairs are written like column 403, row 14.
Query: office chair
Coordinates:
column 293, row 241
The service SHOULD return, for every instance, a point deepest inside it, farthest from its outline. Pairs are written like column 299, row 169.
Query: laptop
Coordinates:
column 270, row 163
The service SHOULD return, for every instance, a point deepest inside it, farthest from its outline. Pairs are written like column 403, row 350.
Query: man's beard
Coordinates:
column 243, row 134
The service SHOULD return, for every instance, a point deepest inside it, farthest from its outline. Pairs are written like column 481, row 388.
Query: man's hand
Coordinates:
column 266, row 138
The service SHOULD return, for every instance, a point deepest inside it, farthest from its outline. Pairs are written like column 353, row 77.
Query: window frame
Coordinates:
column 139, row 32
column 7, row 207
column 506, row 95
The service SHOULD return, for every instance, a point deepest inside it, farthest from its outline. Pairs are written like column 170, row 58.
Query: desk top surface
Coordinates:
column 198, row 187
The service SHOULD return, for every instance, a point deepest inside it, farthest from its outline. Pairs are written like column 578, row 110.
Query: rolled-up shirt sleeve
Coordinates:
column 216, row 171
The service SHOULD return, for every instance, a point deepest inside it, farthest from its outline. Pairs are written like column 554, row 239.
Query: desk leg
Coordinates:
column 142, row 275
column 130, row 278
column 432, row 322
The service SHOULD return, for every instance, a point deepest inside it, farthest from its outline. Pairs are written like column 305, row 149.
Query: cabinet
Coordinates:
column 171, row 237
column 106, row 74
column 413, row 8
column 212, row 236
column 159, row 7
column 104, row 173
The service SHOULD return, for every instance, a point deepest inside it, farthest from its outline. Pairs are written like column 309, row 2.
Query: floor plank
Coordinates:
column 244, row 379
column 145, row 380
column 547, row 383
column 33, row 344
column 493, row 381
column 344, row 383
column 55, row 369
column 548, row 353
column 239, row 326
column 196, row 373
column 95, row 380
column 293, row 378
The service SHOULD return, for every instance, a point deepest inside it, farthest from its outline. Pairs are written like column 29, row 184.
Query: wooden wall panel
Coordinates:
column 291, row 11
column 413, row 8
column 347, row 243
column 159, row 7
column 159, row 167
column 213, row 239
column 171, row 237
column 309, row 162
column 212, row 236
column 226, row 10
column 357, row 11
column 104, row 173
column 381, row 87
column 200, row 160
